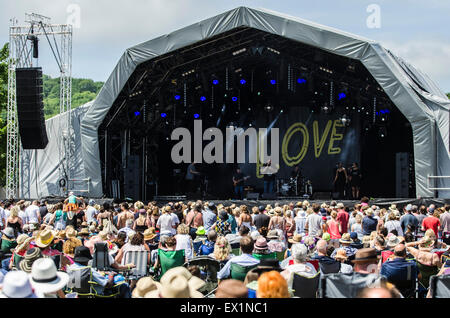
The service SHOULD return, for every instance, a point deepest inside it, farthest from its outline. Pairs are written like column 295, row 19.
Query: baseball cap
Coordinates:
column 353, row 235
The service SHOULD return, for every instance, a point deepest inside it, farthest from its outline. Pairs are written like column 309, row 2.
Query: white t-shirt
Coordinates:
column 2, row 216
column 23, row 216
column 32, row 213
column 90, row 214
column 166, row 223
column 314, row 222
column 184, row 242
column 7, row 213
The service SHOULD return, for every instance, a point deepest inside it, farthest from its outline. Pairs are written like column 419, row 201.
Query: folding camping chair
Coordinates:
column 339, row 285
column 305, row 287
column 209, row 267
column 100, row 259
column 239, row 272
column 168, row 260
column 440, row 286
column 140, row 260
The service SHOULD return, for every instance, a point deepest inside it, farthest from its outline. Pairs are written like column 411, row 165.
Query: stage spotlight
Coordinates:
column 177, row 97
column 196, row 116
column 234, row 99
column 242, row 81
column 325, row 109
column 163, row 115
column 203, row 98
column 345, row 120
column 268, row 108
column 273, row 82
column 382, row 132
column 137, row 113
column 215, row 82
column 301, row 80
column 281, row 111
column 341, row 96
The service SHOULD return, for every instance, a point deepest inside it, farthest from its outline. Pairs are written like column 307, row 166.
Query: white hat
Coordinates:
column 45, row 278
column 340, row 205
column 16, row 285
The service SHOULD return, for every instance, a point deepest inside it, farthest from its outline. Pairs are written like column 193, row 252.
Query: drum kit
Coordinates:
column 294, row 186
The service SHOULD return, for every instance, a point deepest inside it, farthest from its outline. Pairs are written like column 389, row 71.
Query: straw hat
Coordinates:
column 297, row 238
column 103, row 235
column 30, row 256
column 144, row 286
column 70, row 232
column 23, row 241
column 261, row 244
column 45, row 238
column 61, row 235
column 341, row 255
column 340, row 205
column 45, row 278
column 84, row 231
column 178, row 282
column 365, row 255
column 8, row 233
column 273, row 234
column 16, row 285
column 346, row 239
column 149, row 234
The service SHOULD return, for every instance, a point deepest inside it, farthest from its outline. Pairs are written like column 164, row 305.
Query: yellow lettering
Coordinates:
column 295, row 160
column 334, row 137
column 318, row 144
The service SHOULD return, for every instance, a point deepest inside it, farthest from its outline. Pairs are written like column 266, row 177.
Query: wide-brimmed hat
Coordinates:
column 341, row 255
column 261, row 243
column 178, row 282
column 271, row 212
column 23, row 241
column 326, row 236
column 82, row 254
column 393, row 207
column 145, row 285
column 30, row 256
column 273, row 234
column 200, row 231
column 8, row 233
column 45, row 278
column 365, row 255
column 231, row 288
column 61, row 235
column 103, row 235
column 149, row 234
column 70, row 232
column 84, row 231
column 346, row 239
column 16, row 284
column 45, row 238
column 297, row 238
column 392, row 241
column 340, row 205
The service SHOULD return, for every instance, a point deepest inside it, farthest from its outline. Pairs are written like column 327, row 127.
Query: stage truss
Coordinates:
column 59, row 37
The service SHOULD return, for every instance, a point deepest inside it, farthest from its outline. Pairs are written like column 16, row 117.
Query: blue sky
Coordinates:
column 418, row 31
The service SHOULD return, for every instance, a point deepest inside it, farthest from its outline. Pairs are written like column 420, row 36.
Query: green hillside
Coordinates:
column 83, row 91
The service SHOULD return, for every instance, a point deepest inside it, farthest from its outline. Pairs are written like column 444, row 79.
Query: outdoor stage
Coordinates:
column 333, row 96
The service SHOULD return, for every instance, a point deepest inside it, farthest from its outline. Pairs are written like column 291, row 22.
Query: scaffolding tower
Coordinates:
column 59, row 37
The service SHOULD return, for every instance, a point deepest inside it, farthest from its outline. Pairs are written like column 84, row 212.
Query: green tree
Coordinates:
column 448, row 95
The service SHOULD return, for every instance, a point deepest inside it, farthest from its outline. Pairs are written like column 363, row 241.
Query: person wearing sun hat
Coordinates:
column 345, row 242
column 178, row 282
column 44, row 241
column 23, row 243
column 144, row 286
column 8, row 240
column 29, row 258
column 70, row 232
column 16, row 284
column 46, row 280
column 231, row 288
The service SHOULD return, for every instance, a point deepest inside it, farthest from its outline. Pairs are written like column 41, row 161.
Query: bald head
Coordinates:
column 400, row 250
column 321, row 247
column 378, row 292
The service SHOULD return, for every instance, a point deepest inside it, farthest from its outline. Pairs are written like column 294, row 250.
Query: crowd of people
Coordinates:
column 48, row 249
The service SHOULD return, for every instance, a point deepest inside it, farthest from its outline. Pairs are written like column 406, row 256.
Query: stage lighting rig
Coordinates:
column 345, row 120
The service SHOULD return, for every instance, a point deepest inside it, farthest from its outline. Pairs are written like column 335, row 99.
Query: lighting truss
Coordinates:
column 59, row 36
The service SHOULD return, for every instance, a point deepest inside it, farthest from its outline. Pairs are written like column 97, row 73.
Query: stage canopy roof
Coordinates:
column 419, row 99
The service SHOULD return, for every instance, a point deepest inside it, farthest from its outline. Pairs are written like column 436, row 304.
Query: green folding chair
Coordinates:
column 236, row 251
column 170, row 259
column 239, row 272
column 280, row 256
column 265, row 256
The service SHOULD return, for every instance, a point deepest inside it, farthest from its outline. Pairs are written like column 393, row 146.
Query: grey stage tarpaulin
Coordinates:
column 424, row 105
column 39, row 173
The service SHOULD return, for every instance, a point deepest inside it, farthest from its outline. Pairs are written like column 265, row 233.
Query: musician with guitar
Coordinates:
column 238, row 183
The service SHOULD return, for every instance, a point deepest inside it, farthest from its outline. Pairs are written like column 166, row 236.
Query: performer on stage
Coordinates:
column 340, row 180
column 238, row 183
column 269, row 177
column 296, row 173
column 296, row 179
column 193, row 176
column 355, row 180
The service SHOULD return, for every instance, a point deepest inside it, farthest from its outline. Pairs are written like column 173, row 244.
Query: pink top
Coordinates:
column 333, row 229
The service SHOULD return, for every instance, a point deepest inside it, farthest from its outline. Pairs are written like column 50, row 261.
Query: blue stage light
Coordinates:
column 196, row 116
column 301, row 80
column 137, row 113
column 341, row 96
column 234, row 98
column 163, row 115
column 273, row 82
column 177, row 97
column 203, row 98
column 243, row 81
column 215, row 82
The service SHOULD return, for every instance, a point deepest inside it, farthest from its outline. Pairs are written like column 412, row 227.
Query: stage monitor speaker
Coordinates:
column 402, row 175
column 30, row 108
column 269, row 196
column 252, row 196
